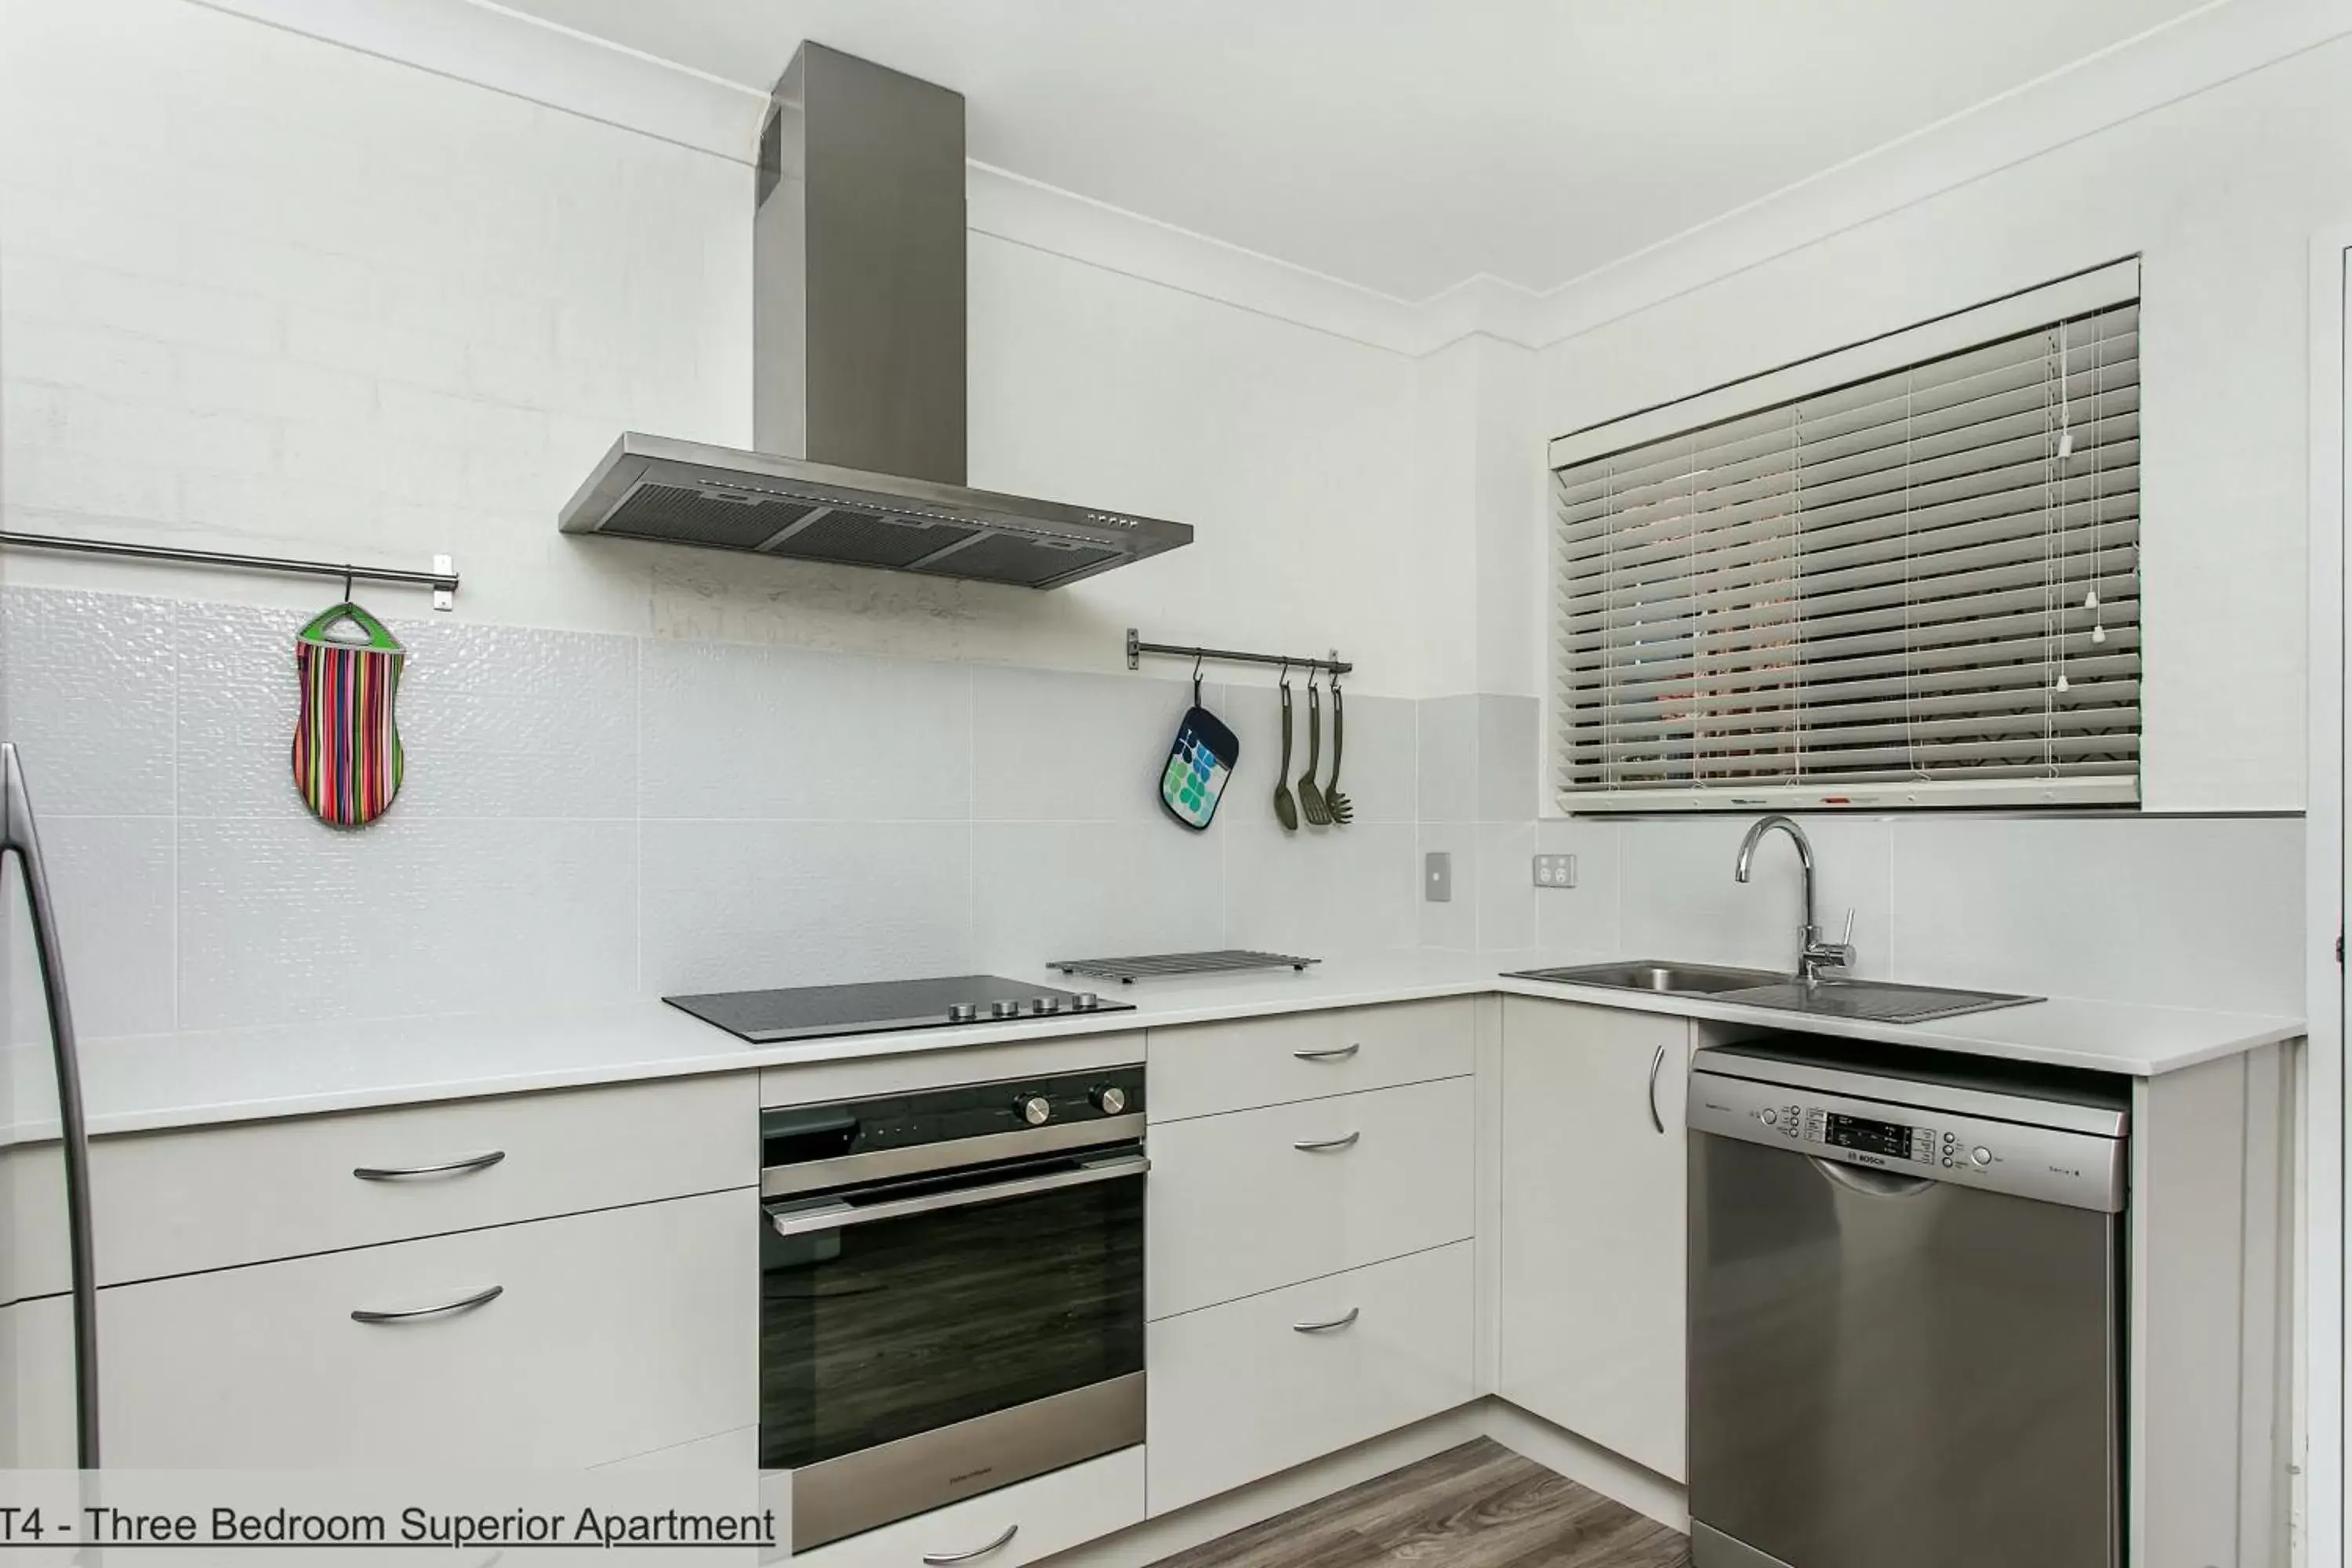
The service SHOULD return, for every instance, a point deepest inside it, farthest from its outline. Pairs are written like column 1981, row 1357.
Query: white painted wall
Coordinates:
column 2220, row 192
column 276, row 294
column 261, row 293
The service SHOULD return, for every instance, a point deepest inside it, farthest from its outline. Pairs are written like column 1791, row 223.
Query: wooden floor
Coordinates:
column 1478, row 1506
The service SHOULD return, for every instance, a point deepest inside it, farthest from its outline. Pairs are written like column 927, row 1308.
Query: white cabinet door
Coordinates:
column 1593, row 1224
column 611, row 1334
column 37, row 1384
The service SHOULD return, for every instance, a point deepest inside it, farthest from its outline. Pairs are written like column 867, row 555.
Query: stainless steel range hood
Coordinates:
column 859, row 370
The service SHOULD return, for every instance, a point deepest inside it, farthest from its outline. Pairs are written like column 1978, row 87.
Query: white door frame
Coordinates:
column 2320, row 1343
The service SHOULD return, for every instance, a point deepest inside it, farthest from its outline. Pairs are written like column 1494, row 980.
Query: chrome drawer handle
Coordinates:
column 1326, row 1145
column 942, row 1558
column 1656, row 1062
column 454, row 1168
column 1336, row 1323
column 463, row 1304
column 1336, row 1054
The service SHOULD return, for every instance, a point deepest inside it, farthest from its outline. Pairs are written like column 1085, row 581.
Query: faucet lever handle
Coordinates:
column 1847, row 940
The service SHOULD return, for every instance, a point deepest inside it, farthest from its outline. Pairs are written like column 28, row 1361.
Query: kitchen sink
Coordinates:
column 1669, row 979
column 1876, row 1001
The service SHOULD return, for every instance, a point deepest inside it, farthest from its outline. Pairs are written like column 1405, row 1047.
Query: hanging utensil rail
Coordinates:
column 1137, row 647
column 442, row 579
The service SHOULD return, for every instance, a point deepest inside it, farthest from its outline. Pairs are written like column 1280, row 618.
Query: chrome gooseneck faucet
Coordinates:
column 1813, row 954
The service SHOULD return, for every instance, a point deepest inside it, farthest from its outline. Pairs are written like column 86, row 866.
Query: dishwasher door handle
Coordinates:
column 1871, row 1183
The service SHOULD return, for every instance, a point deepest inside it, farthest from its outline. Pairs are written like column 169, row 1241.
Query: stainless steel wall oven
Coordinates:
column 951, row 1292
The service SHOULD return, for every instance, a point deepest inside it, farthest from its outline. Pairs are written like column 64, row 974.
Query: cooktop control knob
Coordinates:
column 1004, row 1009
column 1044, row 1005
column 1034, row 1109
column 1110, row 1100
column 964, row 1013
column 1084, row 1002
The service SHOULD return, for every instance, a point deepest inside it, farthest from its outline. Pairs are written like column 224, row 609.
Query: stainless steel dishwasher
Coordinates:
column 1905, row 1310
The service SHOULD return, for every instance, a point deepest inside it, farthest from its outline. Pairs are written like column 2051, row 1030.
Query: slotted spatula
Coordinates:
column 1342, row 809
column 1310, row 798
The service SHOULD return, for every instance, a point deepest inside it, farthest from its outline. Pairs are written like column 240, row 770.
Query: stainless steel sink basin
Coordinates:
column 1666, row 978
column 1876, row 1001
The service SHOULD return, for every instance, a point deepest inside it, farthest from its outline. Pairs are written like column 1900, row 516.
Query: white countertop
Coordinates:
column 143, row 1083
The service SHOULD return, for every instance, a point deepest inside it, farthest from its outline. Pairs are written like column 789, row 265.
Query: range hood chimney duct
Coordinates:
column 857, row 304
column 858, row 370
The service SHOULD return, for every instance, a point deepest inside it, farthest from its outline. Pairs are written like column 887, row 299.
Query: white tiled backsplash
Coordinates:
column 589, row 818
column 2181, row 911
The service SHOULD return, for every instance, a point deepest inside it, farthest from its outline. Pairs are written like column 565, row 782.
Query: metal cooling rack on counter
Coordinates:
column 1153, row 965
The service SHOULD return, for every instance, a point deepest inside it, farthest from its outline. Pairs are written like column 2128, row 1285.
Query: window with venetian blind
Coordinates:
column 1916, row 585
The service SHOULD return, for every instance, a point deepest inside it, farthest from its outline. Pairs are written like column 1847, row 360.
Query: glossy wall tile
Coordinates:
column 590, row 817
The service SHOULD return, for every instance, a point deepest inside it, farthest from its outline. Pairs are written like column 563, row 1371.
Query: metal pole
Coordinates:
column 1136, row 645
column 439, row 581
column 17, row 838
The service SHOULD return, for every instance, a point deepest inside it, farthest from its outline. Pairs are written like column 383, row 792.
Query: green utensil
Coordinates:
column 1342, row 809
column 1311, row 799
column 1285, row 810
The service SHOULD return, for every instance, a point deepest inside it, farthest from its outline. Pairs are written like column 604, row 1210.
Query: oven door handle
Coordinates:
column 800, row 1219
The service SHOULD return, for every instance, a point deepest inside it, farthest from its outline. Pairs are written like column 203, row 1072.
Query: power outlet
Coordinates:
column 1437, row 877
column 1555, row 870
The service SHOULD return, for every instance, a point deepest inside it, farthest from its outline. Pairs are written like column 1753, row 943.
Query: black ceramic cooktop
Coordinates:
column 809, row 1012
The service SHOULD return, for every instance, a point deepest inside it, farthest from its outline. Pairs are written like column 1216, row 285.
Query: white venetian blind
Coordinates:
column 1920, row 588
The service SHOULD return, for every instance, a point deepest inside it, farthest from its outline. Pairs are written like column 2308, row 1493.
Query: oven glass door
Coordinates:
column 937, row 1302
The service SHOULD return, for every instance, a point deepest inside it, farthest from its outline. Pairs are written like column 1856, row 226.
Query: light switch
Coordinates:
column 1437, row 877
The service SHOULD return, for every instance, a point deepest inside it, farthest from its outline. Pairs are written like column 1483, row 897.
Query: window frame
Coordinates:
column 2090, row 290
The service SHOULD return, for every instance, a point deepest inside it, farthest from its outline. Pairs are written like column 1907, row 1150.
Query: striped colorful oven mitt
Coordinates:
column 347, row 757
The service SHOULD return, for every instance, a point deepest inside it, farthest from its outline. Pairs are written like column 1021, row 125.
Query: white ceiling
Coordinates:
column 1408, row 145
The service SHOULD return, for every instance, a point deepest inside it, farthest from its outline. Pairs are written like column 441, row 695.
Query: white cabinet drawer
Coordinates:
column 1201, row 1069
column 615, row 1333
column 1240, row 1391
column 171, row 1203
column 1235, row 1206
column 1049, row 1514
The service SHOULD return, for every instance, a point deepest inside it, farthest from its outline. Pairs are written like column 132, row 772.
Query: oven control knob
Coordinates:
column 1004, row 1009
column 1034, row 1109
column 964, row 1013
column 1110, row 1100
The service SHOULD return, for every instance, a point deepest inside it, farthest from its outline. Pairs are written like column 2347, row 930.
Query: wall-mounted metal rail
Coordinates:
column 1137, row 647
column 442, row 579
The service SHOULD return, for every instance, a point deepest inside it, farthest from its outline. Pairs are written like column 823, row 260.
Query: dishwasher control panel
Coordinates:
column 2084, row 1170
